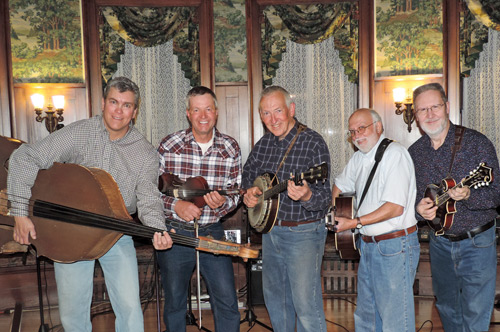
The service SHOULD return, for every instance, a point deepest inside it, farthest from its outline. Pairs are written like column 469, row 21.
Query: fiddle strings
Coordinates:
column 57, row 212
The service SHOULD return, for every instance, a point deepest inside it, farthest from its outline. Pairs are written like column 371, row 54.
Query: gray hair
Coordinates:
column 276, row 88
column 123, row 84
column 430, row 86
column 199, row 91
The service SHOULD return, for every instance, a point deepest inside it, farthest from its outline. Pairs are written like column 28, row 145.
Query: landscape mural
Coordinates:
column 46, row 41
column 409, row 37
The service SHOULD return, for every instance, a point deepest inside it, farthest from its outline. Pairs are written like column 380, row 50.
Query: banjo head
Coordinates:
column 258, row 214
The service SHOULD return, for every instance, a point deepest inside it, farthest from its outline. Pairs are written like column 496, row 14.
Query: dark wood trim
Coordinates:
column 366, row 46
column 451, row 56
column 91, row 33
column 207, row 48
column 254, row 63
column 6, row 90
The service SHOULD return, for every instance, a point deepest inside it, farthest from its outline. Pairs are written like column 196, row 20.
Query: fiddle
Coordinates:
column 191, row 190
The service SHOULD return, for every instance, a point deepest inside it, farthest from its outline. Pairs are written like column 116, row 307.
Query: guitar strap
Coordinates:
column 459, row 134
column 378, row 157
column 301, row 127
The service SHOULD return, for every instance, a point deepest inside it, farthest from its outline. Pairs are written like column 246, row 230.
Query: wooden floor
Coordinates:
column 339, row 315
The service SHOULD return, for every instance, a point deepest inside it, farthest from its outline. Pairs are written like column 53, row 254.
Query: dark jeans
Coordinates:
column 177, row 265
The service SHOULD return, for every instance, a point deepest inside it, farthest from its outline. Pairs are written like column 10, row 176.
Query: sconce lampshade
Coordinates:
column 58, row 101
column 399, row 95
column 37, row 100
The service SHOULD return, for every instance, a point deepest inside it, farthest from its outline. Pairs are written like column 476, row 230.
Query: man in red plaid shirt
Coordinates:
column 200, row 150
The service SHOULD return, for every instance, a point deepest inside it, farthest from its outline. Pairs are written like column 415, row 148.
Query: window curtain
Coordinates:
column 315, row 75
column 148, row 27
column 476, row 18
column 309, row 24
column 163, row 87
column 481, row 91
column 480, row 39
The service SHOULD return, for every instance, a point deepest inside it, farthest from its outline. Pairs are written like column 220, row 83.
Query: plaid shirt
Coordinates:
column 220, row 166
column 131, row 160
column 309, row 150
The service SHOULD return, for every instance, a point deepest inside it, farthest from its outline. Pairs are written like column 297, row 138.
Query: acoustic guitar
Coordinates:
column 345, row 241
column 439, row 194
column 262, row 216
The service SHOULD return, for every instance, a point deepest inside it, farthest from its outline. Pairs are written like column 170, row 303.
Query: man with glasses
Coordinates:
column 385, row 218
column 463, row 257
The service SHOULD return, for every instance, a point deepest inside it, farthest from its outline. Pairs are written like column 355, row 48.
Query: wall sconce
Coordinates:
column 51, row 119
column 400, row 98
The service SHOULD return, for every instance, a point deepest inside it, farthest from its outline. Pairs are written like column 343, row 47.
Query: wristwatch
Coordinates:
column 359, row 225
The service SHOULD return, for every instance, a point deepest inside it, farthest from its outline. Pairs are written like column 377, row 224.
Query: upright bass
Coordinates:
column 79, row 214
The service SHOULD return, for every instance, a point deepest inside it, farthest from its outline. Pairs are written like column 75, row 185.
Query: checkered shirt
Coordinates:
column 309, row 150
column 131, row 160
column 220, row 166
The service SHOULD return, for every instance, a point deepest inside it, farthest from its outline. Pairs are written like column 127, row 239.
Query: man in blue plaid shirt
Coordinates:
column 200, row 151
column 292, row 251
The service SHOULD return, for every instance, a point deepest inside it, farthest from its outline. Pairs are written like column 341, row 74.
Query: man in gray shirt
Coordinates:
column 109, row 142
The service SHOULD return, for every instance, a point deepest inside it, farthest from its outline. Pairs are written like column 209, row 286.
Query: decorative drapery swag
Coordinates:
column 476, row 18
column 148, row 27
column 309, row 24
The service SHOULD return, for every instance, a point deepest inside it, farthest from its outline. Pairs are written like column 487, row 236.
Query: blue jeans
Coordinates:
column 177, row 265
column 291, row 277
column 75, row 283
column 386, row 274
column 463, row 280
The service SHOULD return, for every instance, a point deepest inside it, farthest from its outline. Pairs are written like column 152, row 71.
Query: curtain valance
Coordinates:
column 148, row 27
column 476, row 18
column 308, row 24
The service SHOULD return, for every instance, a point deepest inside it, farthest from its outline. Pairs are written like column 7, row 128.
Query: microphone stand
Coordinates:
column 250, row 316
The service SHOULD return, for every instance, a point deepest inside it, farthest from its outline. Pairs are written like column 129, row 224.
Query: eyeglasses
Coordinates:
column 359, row 131
column 433, row 108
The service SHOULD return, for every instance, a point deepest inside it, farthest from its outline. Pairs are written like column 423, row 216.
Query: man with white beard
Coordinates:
column 386, row 220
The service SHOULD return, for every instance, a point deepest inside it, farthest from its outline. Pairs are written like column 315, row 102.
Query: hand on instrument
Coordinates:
column 343, row 224
column 459, row 194
column 23, row 229
column 427, row 209
column 214, row 199
column 187, row 210
column 296, row 193
column 162, row 241
column 251, row 197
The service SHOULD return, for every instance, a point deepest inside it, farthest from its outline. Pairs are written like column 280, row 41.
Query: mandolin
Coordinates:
column 263, row 216
column 439, row 194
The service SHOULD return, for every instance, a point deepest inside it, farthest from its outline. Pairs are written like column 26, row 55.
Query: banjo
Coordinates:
column 263, row 215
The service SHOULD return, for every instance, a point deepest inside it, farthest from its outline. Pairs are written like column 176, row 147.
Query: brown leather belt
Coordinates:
column 287, row 223
column 378, row 238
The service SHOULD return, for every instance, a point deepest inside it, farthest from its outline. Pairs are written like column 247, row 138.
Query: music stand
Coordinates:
column 250, row 316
